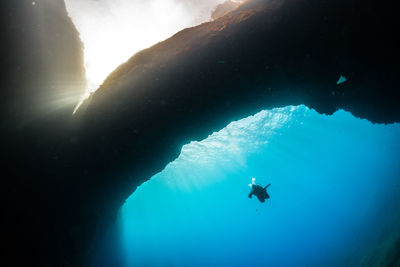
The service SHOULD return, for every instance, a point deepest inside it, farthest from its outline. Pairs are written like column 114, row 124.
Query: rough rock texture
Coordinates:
column 223, row 9
column 265, row 54
column 68, row 178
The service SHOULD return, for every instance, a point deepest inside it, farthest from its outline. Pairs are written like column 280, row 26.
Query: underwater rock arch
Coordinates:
column 265, row 54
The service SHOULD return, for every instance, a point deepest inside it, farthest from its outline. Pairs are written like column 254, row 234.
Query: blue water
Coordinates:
column 335, row 193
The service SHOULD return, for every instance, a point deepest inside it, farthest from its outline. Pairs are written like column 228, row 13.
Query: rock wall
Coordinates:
column 68, row 177
column 265, row 54
column 42, row 80
column 223, row 9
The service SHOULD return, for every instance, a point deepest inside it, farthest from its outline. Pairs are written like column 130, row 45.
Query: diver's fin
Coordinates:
column 267, row 186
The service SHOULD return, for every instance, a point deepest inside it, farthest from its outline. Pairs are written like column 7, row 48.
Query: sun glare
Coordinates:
column 114, row 30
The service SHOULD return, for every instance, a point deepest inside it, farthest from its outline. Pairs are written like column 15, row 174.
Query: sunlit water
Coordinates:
column 113, row 30
column 335, row 189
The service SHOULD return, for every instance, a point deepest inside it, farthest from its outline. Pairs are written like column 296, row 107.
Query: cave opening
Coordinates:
column 114, row 30
column 335, row 197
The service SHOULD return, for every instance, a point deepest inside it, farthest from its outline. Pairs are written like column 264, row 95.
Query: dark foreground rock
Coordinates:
column 42, row 80
column 68, row 177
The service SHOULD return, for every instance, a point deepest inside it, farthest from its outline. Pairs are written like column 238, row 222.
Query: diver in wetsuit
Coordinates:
column 259, row 191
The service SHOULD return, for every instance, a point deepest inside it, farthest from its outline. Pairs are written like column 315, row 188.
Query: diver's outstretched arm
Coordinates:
column 267, row 186
column 251, row 194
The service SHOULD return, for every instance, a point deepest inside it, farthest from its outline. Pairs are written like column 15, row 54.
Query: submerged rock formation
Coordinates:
column 265, row 54
column 42, row 80
column 43, row 60
column 224, row 8
column 68, row 177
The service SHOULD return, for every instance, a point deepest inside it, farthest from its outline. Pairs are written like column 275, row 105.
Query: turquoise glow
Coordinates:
column 342, row 79
column 335, row 188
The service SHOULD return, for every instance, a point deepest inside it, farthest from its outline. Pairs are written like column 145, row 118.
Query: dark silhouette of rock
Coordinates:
column 67, row 176
column 42, row 80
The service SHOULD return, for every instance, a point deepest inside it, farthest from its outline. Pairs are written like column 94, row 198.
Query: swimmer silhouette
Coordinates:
column 259, row 191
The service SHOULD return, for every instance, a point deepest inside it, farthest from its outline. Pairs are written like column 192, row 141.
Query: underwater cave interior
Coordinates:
column 335, row 187
column 335, row 196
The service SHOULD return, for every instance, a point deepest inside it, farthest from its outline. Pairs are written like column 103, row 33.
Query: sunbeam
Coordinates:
column 114, row 30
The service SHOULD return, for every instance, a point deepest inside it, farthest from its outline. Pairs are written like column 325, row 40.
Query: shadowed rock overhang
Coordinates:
column 68, row 177
column 262, row 55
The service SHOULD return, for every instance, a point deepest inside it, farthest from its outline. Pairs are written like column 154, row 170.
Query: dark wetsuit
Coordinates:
column 259, row 191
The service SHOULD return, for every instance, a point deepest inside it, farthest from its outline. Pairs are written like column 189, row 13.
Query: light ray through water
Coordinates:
column 335, row 188
column 114, row 30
